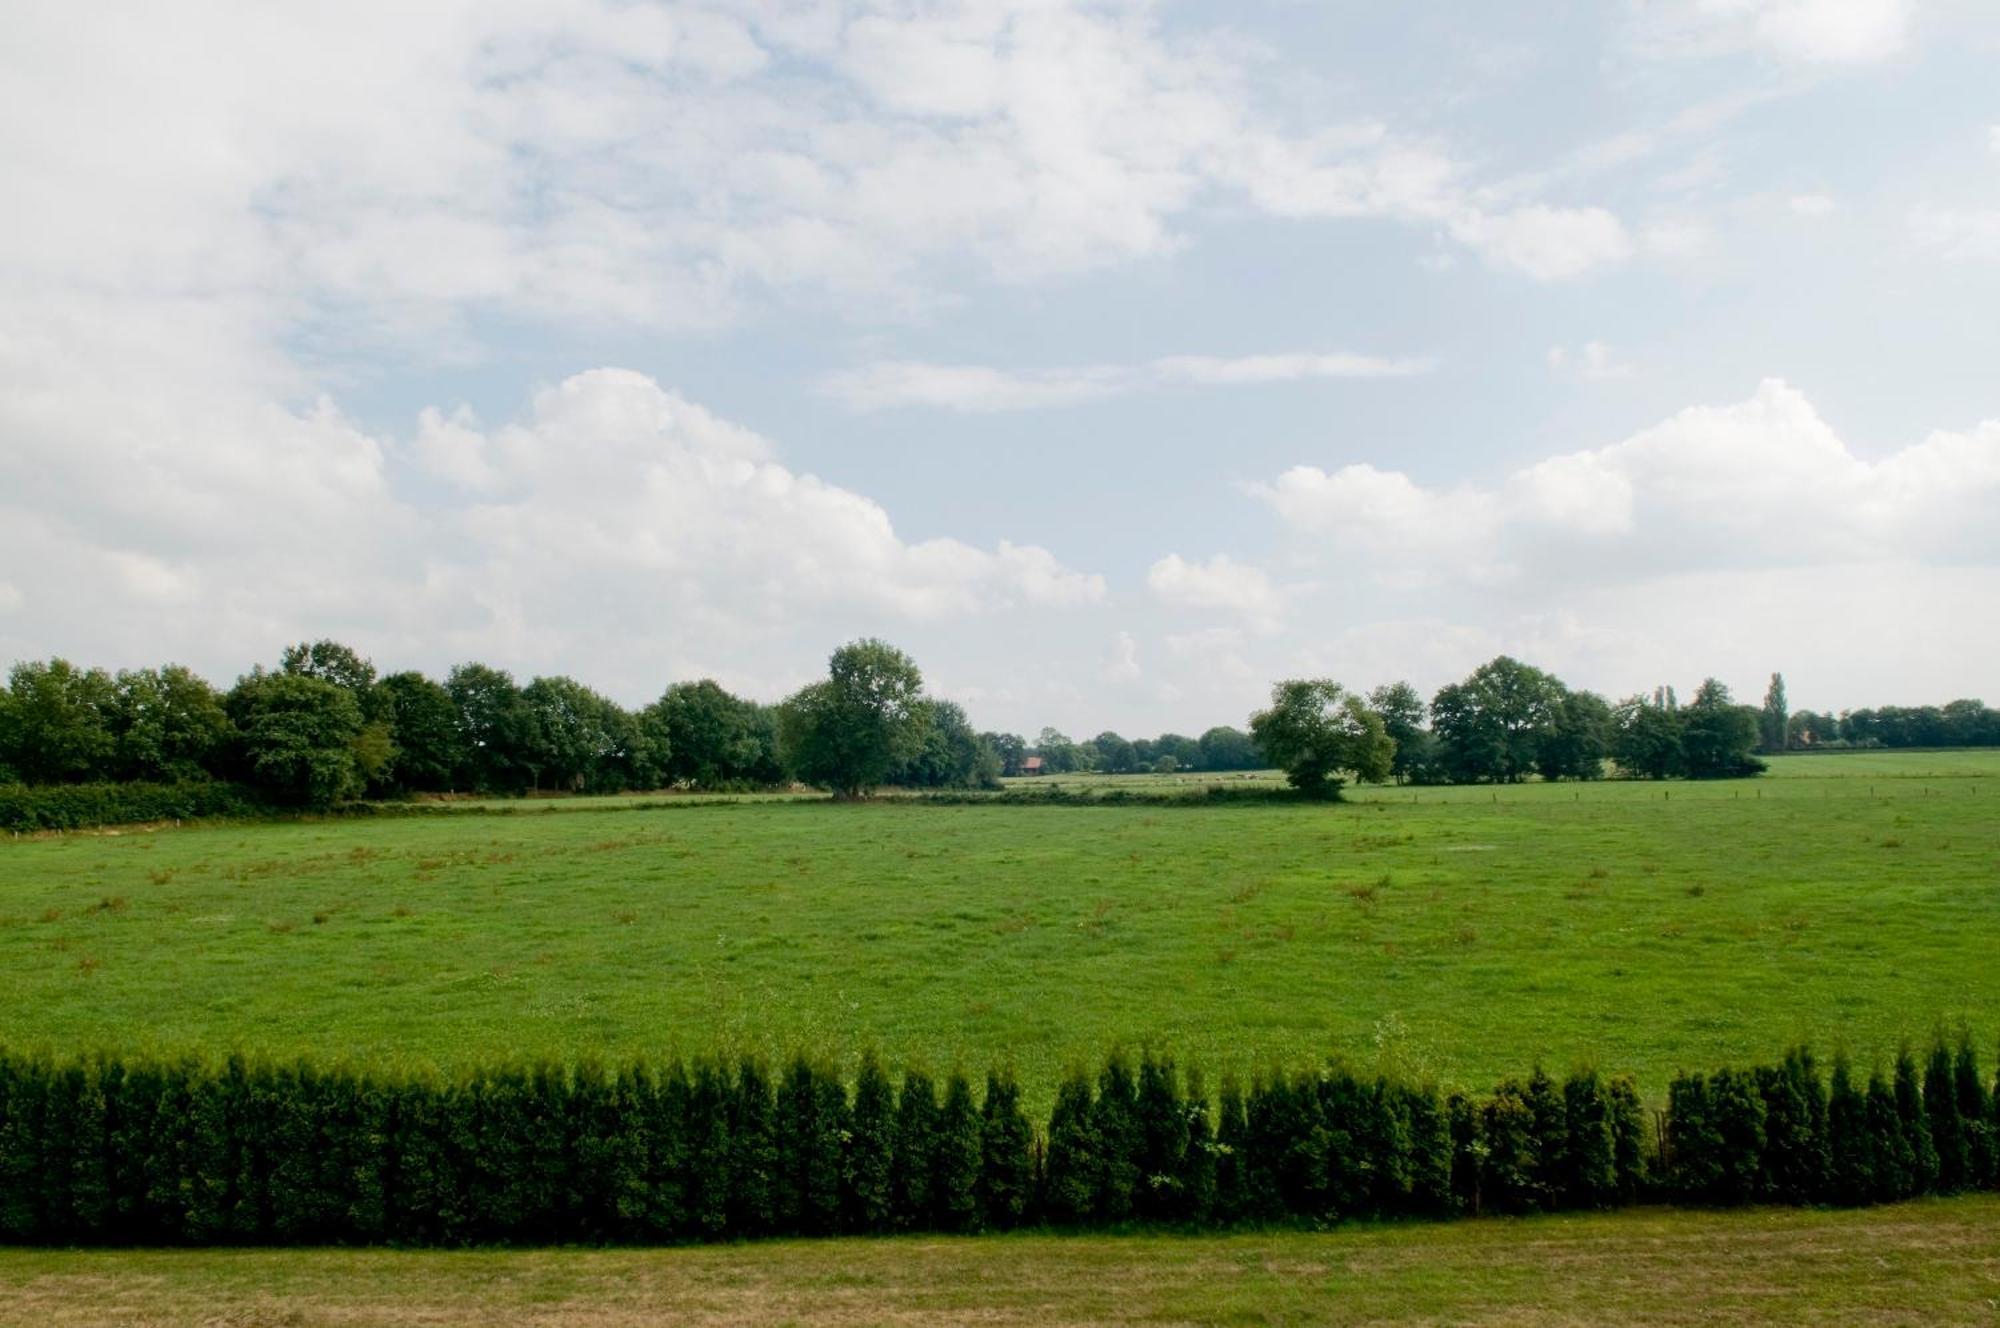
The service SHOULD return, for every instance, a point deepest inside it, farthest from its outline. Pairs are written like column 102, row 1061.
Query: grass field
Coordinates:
column 1460, row 933
column 1930, row 1263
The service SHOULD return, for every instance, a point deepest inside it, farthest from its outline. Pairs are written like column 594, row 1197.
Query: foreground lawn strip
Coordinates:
column 1930, row 1262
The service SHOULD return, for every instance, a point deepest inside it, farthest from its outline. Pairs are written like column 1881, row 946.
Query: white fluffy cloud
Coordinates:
column 1763, row 484
column 616, row 528
column 977, row 388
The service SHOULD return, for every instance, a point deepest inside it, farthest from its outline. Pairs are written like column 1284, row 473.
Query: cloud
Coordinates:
column 1222, row 584
column 1958, row 234
column 1763, row 484
column 1121, row 665
column 1547, row 243
column 1805, row 32
column 891, row 384
column 1593, row 362
column 615, row 526
column 1813, row 205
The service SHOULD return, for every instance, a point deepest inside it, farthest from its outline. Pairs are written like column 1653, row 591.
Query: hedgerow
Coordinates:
column 101, row 1150
column 29, row 807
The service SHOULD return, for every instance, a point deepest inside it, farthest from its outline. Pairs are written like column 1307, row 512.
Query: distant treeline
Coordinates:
column 323, row 727
column 1965, row 723
column 96, row 1151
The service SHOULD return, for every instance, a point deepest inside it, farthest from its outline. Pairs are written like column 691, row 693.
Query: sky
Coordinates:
column 1115, row 358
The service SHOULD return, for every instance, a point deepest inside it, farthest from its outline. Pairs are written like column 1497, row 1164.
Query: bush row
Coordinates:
column 102, row 1150
column 27, row 807
column 1782, row 1134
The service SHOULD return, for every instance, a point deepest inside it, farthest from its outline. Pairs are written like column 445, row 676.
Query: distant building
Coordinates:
column 1032, row 766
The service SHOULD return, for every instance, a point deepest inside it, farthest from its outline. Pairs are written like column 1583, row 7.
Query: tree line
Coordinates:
column 103, row 1150
column 1505, row 722
column 323, row 726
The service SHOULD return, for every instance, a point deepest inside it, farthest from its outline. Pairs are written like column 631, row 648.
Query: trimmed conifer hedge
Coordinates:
column 103, row 1150
column 28, row 807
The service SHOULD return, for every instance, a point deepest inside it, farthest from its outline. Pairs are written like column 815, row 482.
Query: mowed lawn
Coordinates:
column 1461, row 934
column 1930, row 1263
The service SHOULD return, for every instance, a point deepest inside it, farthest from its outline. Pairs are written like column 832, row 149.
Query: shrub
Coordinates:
column 25, row 807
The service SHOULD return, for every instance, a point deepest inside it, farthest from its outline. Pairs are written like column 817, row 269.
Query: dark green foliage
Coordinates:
column 1975, row 1108
column 1468, row 1153
column 1163, row 1142
column 1797, row 1159
column 1006, row 1155
column 1431, row 1151
column 1718, row 736
column 956, row 1161
column 96, row 1150
column 1737, row 1111
column 708, row 1150
column 1850, row 1144
column 1509, row 1169
column 811, row 1127
column 871, row 1147
column 1628, row 1138
column 73, row 806
column 1199, row 1155
column 753, row 1153
column 1916, row 1126
column 913, row 1170
column 1072, row 1167
column 1115, row 1127
column 298, row 737
column 1947, row 1127
column 1890, row 1145
column 1231, row 1149
column 1550, row 1144
column 1587, row 1174
column 1694, row 1143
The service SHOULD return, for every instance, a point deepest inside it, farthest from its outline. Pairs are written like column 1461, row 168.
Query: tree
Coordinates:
column 1717, row 735
column 701, row 736
column 1646, row 740
column 1114, row 754
column 1010, row 748
column 1578, row 738
column 865, row 720
column 575, row 739
column 1058, row 753
column 1403, row 713
column 298, row 736
column 425, row 724
column 952, row 755
column 1492, row 725
column 169, row 725
column 1315, row 729
column 1774, row 720
column 1226, row 748
column 330, row 661
column 56, row 727
column 493, row 729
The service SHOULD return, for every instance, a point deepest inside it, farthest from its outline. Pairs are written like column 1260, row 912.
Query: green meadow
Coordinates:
column 1461, row 934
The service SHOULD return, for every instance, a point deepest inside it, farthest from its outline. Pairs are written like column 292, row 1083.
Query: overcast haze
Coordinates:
column 1112, row 358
